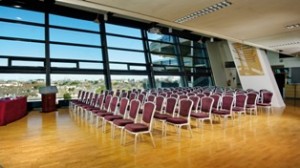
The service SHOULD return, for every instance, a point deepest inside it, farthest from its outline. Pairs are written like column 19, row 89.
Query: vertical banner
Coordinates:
column 247, row 61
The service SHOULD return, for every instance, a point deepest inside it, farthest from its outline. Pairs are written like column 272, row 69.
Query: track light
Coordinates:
column 96, row 20
column 212, row 39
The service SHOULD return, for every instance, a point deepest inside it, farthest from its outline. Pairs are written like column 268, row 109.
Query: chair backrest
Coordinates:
column 171, row 104
column 241, row 100
column 148, row 113
column 196, row 101
column 185, row 107
column 200, row 95
column 163, row 94
column 159, row 103
column 79, row 94
column 118, row 93
column 175, row 95
column 151, row 98
column 100, row 101
column 227, row 102
column 82, row 96
column 267, row 97
column 183, row 96
column 123, row 106
column 141, row 98
column 90, row 99
column 113, row 104
column 94, row 100
column 123, row 95
column 134, row 109
column 107, row 102
column 206, row 104
column 216, row 100
column 85, row 99
column 252, row 98
column 132, row 96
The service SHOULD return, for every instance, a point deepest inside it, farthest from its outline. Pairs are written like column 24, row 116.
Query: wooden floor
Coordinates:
column 44, row 140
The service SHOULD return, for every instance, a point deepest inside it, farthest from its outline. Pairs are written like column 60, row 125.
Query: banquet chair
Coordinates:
column 131, row 118
column 204, row 113
column 182, row 118
column 167, row 112
column 266, row 101
column 120, row 114
column 225, row 110
column 240, row 105
column 251, row 102
column 142, row 127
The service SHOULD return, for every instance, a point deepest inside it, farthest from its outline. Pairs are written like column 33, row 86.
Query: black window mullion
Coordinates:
column 149, row 64
column 106, row 68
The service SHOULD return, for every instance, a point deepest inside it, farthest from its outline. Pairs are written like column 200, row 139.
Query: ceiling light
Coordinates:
column 294, row 26
column 204, row 11
column 286, row 44
column 17, row 6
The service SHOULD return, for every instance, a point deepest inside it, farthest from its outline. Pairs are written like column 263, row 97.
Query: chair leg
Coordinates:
column 190, row 129
column 154, row 146
column 135, row 139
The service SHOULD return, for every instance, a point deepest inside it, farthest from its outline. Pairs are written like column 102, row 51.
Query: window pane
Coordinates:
column 74, row 37
column 21, row 31
column 63, row 65
column 125, row 82
column 165, row 69
column 3, row 62
column 160, row 37
column 126, row 56
column 20, row 14
column 164, row 59
column 126, row 43
column 116, row 29
column 118, row 66
column 161, row 48
column 22, row 85
column 76, row 53
column 18, row 48
column 167, row 81
column 86, row 65
column 69, row 83
column 73, row 23
column 202, row 81
column 28, row 63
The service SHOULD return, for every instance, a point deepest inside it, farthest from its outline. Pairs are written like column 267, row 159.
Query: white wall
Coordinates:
column 266, row 81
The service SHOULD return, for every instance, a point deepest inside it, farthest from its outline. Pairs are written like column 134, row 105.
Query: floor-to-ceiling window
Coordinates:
column 78, row 53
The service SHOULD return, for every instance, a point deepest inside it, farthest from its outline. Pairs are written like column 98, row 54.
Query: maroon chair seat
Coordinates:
column 138, row 127
column 112, row 117
column 222, row 112
column 237, row 109
column 161, row 116
column 177, row 120
column 250, row 106
column 123, row 122
column 103, row 114
column 264, row 104
column 200, row 115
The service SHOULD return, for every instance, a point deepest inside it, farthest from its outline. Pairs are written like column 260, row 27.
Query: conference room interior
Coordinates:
column 44, row 44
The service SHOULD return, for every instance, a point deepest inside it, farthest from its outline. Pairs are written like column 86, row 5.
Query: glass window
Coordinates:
column 90, row 65
column 129, row 82
column 22, row 31
column 118, row 66
column 21, row 85
column 122, row 30
column 159, row 59
column 74, row 37
column 21, row 14
column 19, row 48
column 75, row 53
column 126, row 43
column 3, row 62
column 158, row 47
column 160, row 37
column 166, row 68
column 74, row 23
column 201, row 81
column 69, row 83
column 126, row 56
column 63, row 65
column 28, row 63
column 167, row 81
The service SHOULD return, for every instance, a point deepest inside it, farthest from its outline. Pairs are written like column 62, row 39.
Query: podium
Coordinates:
column 48, row 98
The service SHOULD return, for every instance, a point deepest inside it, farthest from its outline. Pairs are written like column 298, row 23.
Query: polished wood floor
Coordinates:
column 56, row 139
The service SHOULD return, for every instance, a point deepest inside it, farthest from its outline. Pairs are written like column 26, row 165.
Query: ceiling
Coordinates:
column 260, row 23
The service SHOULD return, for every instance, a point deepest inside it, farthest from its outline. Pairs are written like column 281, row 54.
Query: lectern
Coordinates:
column 48, row 98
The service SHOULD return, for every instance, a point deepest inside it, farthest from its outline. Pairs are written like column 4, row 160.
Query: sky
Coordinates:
column 37, row 50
